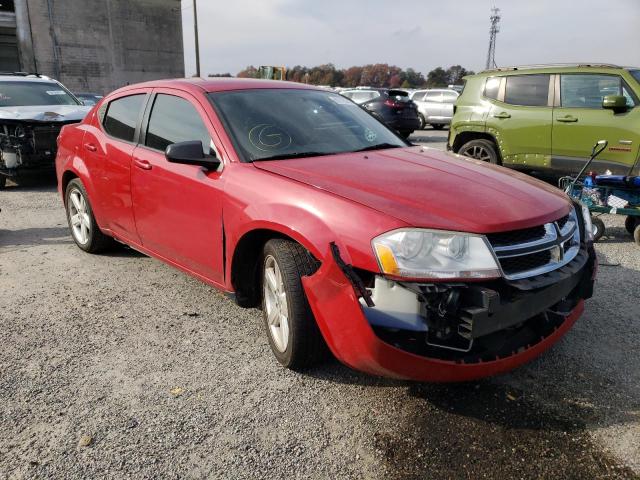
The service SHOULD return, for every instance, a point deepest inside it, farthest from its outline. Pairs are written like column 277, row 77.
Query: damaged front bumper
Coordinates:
column 28, row 146
column 446, row 332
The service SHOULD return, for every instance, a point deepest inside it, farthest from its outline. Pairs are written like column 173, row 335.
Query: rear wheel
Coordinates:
column 630, row 224
column 598, row 228
column 405, row 133
column 82, row 223
column 480, row 149
column 3, row 181
column 293, row 334
column 437, row 126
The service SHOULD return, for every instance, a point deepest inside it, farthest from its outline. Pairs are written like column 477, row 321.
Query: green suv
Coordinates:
column 546, row 118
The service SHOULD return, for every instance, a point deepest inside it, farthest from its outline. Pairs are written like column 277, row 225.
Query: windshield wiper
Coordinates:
column 284, row 156
column 379, row 146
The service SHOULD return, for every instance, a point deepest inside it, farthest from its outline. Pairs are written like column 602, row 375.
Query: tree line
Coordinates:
column 374, row 75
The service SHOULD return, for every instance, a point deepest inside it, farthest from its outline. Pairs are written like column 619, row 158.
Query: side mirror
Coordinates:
column 190, row 153
column 617, row 103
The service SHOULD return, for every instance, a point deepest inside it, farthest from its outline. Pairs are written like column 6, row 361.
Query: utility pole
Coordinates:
column 493, row 30
column 195, row 31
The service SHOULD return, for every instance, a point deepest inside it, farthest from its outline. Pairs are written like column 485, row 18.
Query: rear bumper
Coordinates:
column 354, row 342
column 402, row 123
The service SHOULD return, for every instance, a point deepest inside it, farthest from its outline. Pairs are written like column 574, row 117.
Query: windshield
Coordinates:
column 636, row 74
column 275, row 124
column 22, row 94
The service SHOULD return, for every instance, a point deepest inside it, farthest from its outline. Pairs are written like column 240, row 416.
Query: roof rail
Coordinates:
column 22, row 74
column 552, row 65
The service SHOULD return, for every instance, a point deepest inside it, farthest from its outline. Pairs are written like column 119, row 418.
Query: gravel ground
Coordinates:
column 118, row 366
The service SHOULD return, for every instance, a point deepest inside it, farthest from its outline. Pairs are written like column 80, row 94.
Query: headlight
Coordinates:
column 419, row 253
column 588, row 226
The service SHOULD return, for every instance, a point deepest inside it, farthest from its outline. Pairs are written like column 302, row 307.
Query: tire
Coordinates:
column 295, row 340
column 630, row 224
column 405, row 133
column 437, row 126
column 636, row 235
column 423, row 122
column 480, row 149
column 598, row 228
column 86, row 234
column 3, row 182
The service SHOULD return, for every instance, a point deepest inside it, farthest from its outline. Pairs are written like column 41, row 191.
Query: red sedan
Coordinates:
column 403, row 261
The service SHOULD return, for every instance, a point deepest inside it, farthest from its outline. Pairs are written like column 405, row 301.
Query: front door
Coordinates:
column 178, row 208
column 579, row 121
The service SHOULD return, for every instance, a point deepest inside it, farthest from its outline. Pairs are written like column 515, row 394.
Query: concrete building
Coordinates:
column 92, row 45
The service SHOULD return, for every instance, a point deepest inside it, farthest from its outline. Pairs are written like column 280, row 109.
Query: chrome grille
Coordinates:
column 538, row 250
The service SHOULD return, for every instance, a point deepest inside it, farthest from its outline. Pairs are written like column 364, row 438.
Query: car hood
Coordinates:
column 432, row 189
column 45, row 113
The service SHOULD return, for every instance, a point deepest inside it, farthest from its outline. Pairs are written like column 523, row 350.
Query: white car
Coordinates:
column 435, row 106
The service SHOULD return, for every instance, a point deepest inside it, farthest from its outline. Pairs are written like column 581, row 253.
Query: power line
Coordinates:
column 493, row 30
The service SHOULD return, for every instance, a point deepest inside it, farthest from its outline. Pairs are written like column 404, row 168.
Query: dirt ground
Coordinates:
column 117, row 366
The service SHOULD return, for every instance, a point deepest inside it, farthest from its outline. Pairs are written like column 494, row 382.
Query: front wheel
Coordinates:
column 423, row 122
column 437, row 126
column 82, row 223
column 598, row 228
column 293, row 334
column 480, row 149
column 405, row 133
column 630, row 224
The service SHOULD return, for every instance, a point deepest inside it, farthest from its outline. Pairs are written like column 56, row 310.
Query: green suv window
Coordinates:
column 587, row 91
column 527, row 90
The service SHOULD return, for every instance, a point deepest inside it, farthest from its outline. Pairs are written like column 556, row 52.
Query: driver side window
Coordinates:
column 174, row 119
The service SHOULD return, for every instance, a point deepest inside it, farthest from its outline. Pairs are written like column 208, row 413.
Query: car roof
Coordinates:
column 554, row 68
column 25, row 78
column 198, row 84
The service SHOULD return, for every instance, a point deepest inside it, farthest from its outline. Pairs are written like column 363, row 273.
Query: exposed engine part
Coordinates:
column 25, row 144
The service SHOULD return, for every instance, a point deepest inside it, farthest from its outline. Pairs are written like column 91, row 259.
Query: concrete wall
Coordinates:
column 100, row 45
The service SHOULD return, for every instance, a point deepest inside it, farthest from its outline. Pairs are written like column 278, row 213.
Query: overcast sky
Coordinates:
column 421, row 34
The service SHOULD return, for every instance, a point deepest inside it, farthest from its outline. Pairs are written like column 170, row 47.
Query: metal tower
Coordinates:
column 491, row 54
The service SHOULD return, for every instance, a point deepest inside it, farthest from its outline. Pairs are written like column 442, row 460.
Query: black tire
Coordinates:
column 405, row 133
column 636, row 235
column 3, row 181
column 423, row 122
column 437, row 126
column 630, row 224
column 305, row 346
column 598, row 228
column 480, row 149
column 96, row 241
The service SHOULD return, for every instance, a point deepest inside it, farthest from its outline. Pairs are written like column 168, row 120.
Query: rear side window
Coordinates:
column 418, row 96
column 174, row 119
column 587, row 91
column 492, row 87
column 434, row 97
column 449, row 97
column 122, row 116
column 527, row 90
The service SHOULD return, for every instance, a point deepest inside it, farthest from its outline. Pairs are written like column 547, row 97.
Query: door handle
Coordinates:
column 502, row 115
column 91, row 147
column 143, row 164
column 567, row 119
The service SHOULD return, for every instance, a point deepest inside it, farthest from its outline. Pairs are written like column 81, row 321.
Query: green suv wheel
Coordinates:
column 480, row 149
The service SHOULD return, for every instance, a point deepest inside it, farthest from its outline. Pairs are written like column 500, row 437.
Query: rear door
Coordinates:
column 448, row 100
column 520, row 119
column 107, row 146
column 178, row 208
column 579, row 121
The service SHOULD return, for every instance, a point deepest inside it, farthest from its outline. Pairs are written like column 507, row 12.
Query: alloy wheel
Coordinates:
column 79, row 217
column 277, row 309
column 478, row 152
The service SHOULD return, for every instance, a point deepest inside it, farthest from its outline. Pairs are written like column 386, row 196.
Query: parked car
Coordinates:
column 393, row 107
column 89, row 98
column 33, row 109
column 546, row 118
column 435, row 107
column 405, row 262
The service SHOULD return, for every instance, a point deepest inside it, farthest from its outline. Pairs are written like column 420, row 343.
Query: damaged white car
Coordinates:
column 33, row 109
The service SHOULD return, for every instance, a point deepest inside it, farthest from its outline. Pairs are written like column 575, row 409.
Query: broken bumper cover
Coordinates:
column 353, row 340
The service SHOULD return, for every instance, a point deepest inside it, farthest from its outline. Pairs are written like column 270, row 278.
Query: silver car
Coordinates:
column 435, row 106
